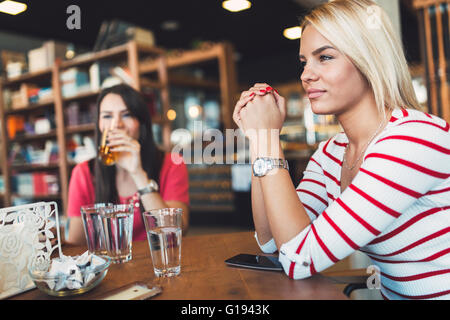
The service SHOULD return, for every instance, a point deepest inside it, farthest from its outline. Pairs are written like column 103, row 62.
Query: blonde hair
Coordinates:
column 361, row 30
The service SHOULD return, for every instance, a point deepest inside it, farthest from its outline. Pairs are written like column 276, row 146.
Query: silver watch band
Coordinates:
column 278, row 163
column 149, row 188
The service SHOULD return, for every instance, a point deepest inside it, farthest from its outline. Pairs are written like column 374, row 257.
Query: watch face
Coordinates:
column 153, row 185
column 259, row 167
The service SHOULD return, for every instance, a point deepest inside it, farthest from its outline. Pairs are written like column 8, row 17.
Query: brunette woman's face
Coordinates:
column 114, row 114
column 339, row 83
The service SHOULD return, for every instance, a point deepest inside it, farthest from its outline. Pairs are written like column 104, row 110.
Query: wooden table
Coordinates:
column 205, row 276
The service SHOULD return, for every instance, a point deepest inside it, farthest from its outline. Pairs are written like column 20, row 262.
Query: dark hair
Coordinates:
column 151, row 156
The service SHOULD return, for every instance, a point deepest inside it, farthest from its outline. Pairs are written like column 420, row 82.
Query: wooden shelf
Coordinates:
column 30, row 137
column 34, row 167
column 183, row 58
column 82, row 95
column 150, row 83
column 91, row 57
column 30, row 76
column 88, row 127
column 47, row 197
column 112, row 53
column 30, row 107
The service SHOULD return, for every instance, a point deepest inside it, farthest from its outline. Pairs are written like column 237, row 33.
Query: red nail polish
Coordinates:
column 252, row 94
column 276, row 91
column 269, row 88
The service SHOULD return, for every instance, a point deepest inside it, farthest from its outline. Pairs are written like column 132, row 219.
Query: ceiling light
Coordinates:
column 293, row 33
column 12, row 7
column 194, row 111
column 236, row 5
column 171, row 114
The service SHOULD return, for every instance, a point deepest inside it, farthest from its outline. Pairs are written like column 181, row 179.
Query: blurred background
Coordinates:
column 191, row 60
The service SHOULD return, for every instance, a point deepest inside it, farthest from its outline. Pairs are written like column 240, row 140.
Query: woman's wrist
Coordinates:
column 140, row 178
column 266, row 147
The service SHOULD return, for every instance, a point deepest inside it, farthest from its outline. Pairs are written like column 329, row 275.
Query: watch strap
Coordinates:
column 278, row 163
column 152, row 186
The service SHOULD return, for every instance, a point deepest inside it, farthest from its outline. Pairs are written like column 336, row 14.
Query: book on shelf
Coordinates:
column 74, row 81
column 28, row 94
column 13, row 63
column 15, row 124
column 80, row 148
column 94, row 75
column 115, row 32
column 35, row 184
column 29, row 155
column 75, row 115
column 101, row 72
column 123, row 74
column 45, row 56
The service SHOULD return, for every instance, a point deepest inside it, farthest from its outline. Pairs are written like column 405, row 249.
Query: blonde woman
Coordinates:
column 382, row 186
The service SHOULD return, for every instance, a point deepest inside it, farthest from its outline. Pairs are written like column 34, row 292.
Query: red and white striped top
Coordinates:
column 396, row 210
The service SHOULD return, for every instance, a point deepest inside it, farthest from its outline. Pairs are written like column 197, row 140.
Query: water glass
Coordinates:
column 163, row 227
column 118, row 231
column 93, row 227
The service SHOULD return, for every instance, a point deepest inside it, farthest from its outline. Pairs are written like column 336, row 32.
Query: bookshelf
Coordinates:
column 207, row 73
column 127, row 55
column 150, row 68
column 225, row 82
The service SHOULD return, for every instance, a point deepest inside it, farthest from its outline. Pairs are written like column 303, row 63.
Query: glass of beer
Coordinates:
column 105, row 154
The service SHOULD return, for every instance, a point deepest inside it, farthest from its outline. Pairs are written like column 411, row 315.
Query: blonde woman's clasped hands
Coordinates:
column 259, row 108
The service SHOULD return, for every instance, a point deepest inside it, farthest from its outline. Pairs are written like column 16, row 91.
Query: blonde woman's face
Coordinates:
column 338, row 83
column 114, row 114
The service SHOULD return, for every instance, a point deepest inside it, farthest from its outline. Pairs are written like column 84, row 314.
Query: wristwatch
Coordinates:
column 152, row 186
column 263, row 165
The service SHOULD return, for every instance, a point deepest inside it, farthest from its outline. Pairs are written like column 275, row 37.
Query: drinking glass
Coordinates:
column 93, row 227
column 163, row 227
column 118, row 230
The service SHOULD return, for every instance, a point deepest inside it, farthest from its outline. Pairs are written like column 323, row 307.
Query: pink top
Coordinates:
column 173, row 186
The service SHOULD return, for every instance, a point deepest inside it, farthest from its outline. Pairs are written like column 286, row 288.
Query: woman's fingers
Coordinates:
column 246, row 97
column 123, row 148
column 258, row 89
column 281, row 102
column 123, row 143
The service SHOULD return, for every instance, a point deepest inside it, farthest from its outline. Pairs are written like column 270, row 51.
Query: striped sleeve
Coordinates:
column 399, row 168
column 312, row 190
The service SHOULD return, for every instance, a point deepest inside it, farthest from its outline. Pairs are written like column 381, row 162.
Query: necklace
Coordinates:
column 361, row 154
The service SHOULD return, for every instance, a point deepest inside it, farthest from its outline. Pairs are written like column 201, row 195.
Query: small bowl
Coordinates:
column 40, row 279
